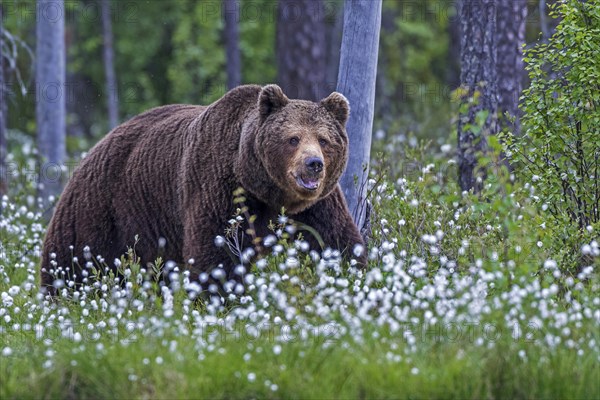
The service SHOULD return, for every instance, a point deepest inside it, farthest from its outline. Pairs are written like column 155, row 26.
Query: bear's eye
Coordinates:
column 294, row 141
column 323, row 142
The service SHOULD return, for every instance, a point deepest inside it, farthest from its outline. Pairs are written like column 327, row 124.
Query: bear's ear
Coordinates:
column 270, row 100
column 338, row 106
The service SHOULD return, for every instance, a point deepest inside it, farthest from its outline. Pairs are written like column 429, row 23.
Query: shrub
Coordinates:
column 559, row 152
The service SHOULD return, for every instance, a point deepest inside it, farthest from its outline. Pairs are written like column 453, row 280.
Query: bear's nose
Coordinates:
column 314, row 164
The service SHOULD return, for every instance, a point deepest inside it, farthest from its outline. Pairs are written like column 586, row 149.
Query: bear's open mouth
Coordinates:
column 310, row 183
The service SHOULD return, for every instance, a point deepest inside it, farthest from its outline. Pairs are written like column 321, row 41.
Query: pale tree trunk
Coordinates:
column 477, row 115
column 50, row 106
column 3, row 144
column 511, row 16
column 356, row 81
column 301, row 49
column 231, row 13
column 112, row 93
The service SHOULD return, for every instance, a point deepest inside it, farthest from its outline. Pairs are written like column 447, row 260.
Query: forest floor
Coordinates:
column 464, row 297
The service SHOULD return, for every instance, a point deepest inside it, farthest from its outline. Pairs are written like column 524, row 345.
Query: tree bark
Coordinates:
column 231, row 14
column 50, row 106
column 511, row 16
column 3, row 141
column 477, row 115
column 453, row 56
column 333, row 38
column 385, row 92
column 112, row 93
column 356, row 81
column 301, row 49
column 543, row 20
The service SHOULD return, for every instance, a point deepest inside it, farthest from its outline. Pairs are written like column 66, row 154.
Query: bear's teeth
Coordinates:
column 312, row 184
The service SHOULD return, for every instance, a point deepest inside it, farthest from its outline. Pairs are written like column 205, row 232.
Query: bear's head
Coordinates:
column 301, row 148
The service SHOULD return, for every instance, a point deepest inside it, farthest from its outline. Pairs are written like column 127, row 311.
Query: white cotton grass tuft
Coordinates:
column 358, row 250
column 219, row 241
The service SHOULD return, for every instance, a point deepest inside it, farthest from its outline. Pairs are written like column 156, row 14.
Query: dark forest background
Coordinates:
column 176, row 52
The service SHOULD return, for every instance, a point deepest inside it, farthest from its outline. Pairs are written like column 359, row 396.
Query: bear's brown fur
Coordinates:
column 171, row 172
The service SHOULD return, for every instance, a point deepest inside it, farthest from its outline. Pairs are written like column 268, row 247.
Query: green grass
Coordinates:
column 301, row 370
column 466, row 297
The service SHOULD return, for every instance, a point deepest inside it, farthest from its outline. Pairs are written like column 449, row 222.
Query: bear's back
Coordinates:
column 129, row 173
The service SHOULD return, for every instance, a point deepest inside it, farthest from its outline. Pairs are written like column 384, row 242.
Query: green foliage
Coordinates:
column 414, row 45
column 199, row 51
column 559, row 153
column 257, row 41
column 502, row 223
column 173, row 52
column 167, row 52
column 417, row 45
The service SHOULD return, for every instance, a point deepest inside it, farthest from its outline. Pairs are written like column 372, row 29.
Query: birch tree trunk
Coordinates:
column 112, row 93
column 50, row 106
column 356, row 81
column 477, row 114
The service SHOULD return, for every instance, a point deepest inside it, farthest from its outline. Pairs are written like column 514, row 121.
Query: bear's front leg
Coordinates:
column 200, row 252
column 331, row 218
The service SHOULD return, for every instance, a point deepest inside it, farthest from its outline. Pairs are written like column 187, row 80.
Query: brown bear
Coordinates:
column 168, row 176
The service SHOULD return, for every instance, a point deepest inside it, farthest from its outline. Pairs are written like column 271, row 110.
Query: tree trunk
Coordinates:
column 50, row 106
column 356, row 81
column 301, row 49
column 511, row 16
column 385, row 92
column 3, row 171
column 543, row 20
column 231, row 12
column 333, row 38
column 453, row 56
column 112, row 93
column 477, row 114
